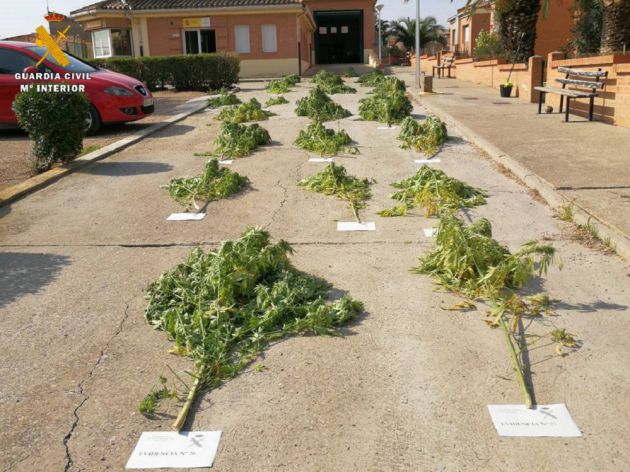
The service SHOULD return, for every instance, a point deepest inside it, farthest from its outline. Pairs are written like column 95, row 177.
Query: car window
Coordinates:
column 76, row 64
column 13, row 62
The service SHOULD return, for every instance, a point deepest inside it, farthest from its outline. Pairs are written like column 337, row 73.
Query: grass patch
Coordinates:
column 250, row 111
column 89, row 149
column 213, row 184
column 334, row 180
column 326, row 142
column 280, row 100
column 236, row 140
column 223, row 307
column 427, row 137
column 433, row 190
column 319, row 107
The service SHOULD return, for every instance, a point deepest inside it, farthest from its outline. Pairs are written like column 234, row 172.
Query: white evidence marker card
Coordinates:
column 541, row 421
column 320, row 159
column 430, row 232
column 426, row 161
column 186, row 217
column 169, row 449
column 354, row 226
column 226, row 163
column 390, row 128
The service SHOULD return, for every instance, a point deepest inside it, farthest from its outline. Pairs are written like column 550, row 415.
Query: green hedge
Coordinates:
column 192, row 72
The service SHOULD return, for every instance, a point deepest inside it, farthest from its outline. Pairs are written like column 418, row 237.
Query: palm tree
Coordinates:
column 615, row 26
column 405, row 30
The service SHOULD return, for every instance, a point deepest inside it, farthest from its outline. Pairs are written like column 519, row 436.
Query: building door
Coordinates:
column 199, row 41
column 339, row 37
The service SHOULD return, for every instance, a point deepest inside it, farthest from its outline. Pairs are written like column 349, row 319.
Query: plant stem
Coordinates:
column 517, row 364
column 192, row 393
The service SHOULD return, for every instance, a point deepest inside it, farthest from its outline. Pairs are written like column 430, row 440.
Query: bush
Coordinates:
column 190, row 72
column 55, row 122
column 488, row 45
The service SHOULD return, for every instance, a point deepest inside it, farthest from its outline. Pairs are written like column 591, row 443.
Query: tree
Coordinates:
column 615, row 26
column 587, row 30
column 517, row 27
column 430, row 31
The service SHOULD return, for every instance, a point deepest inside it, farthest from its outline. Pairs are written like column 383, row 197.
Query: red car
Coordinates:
column 114, row 98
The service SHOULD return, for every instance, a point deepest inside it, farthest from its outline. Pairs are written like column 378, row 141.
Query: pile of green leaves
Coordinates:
column 223, row 307
column 224, row 99
column 371, row 79
column 426, row 137
column 433, row 190
column 468, row 260
column 320, row 107
column 388, row 103
column 214, row 183
column 350, row 72
column 334, row 180
column 331, row 83
column 250, row 111
column 283, row 85
column 279, row 100
column 236, row 140
column 324, row 141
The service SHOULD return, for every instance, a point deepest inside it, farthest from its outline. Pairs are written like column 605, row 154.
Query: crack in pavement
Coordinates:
column 75, row 423
column 285, row 196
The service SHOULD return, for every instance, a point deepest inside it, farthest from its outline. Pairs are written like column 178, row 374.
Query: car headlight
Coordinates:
column 118, row 91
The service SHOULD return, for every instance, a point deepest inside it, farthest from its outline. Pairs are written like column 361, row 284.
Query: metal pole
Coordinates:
column 380, row 38
column 417, row 44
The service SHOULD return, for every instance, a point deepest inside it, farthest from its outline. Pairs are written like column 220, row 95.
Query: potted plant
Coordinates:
column 506, row 88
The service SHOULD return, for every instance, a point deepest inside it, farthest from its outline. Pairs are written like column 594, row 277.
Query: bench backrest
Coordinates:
column 447, row 60
column 594, row 85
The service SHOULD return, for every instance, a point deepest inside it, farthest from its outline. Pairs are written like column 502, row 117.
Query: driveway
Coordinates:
column 405, row 390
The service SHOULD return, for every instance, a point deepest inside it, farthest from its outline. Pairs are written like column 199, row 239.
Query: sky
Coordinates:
column 23, row 16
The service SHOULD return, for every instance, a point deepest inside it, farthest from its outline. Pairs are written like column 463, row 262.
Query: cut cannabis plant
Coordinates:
column 280, row 100
column 283, row 85
column 324, row 141
column 319, row 106
column 214, row 183
column 388, row 104
column 371, row 79
column 334, row 180
column 350, row 72
column 223, row 100
column 250, row 111
column 433, row 190
column 331, row 83
column 152, row 400
column 223, row 307
column 427, row 137
column 237, row 140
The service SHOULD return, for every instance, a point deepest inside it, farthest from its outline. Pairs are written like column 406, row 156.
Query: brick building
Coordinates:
column 272, row 37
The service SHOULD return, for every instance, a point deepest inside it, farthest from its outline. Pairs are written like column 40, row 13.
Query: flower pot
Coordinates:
column 506, row 90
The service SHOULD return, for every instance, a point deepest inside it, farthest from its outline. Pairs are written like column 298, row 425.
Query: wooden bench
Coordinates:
column 593, row 84
column 447, row 64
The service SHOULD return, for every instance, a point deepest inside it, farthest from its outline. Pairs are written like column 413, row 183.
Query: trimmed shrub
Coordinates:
column 55, row 122
column 189, row 72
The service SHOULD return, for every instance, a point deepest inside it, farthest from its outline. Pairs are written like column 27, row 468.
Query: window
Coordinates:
column 13, row 62
column 115, row 42
column 200, row 41
column 269, row 38
column 100, row 40
column 241, row 38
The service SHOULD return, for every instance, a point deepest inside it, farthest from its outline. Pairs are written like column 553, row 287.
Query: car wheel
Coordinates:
column 93, row 121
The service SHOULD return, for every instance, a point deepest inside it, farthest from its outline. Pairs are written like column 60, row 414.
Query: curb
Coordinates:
column 581, row 215
column 38, row 182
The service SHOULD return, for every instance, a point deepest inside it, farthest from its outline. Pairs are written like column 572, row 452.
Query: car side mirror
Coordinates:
column 30, row 70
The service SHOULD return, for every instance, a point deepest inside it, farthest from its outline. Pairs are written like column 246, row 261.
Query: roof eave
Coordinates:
column 298, row 7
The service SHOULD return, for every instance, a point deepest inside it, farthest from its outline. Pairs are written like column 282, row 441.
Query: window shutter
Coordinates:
column 269, row 38
column 241, row 38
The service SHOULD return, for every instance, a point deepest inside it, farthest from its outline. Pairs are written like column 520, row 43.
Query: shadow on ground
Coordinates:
column 25, row 273
column 127, row 169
